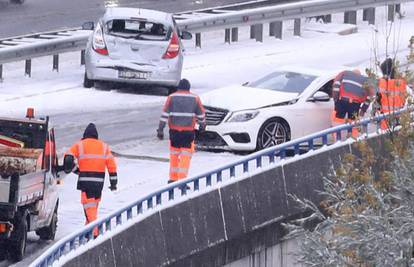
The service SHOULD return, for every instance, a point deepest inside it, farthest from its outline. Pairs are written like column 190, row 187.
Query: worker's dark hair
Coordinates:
column 90, row 132
column 388, row 68
column 184, row 85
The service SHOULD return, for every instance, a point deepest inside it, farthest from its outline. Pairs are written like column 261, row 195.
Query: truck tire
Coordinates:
column 3, row 252
column 49, row 232
column 18, row 238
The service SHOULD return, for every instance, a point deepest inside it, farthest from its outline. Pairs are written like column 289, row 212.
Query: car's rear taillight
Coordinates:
column 98, row 43
column 173, row 48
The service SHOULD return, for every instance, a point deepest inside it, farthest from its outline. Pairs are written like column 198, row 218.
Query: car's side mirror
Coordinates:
column 68, row 163
column 320, row 97
column 186, row 35
column 90, row 25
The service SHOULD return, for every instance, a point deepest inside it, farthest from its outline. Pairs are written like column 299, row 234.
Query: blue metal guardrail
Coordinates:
column 113, row 220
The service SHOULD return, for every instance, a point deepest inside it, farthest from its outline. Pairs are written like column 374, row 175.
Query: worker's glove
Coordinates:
column 335, row 105
column 160, row 134
column 68, row 163
column 202, row 127
column 113, row 187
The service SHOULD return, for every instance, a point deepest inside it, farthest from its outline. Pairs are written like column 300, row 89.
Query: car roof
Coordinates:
column 137, row 13
column 325, row 70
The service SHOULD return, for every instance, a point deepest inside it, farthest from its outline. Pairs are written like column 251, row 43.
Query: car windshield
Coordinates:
column 289, row 82
column 138, row 29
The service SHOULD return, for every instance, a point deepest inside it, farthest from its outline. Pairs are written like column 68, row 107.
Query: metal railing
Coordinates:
column 178, row 190
column 27, row 47
column 278, row 13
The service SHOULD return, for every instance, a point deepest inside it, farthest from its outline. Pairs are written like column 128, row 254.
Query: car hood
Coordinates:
column 238, row 97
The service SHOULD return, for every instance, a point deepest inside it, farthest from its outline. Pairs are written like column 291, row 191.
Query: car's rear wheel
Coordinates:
column 87, row 83
column 273, row 132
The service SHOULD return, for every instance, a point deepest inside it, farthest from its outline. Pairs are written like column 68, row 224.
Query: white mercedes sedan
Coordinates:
column 284, row 105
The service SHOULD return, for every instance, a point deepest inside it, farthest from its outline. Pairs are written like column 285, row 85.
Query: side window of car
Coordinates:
column 327, row 88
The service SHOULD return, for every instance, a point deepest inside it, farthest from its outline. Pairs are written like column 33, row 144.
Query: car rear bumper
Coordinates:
column 108, row 70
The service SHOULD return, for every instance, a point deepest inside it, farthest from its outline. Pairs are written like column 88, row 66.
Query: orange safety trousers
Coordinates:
column 180, row 159
column 393, row 97
column 90, row 207
column 338, row 121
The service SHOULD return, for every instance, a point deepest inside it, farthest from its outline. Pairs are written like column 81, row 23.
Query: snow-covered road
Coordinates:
column 127, row 120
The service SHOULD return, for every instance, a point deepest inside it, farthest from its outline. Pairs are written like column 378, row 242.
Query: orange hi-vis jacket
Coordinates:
column 393, row 94
column 93, row 157
column 182, row 110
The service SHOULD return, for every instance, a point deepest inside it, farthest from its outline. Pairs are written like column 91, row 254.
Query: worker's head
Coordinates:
column 90, row 132
column 356, row 71
column 184, row 85
column 387, row 68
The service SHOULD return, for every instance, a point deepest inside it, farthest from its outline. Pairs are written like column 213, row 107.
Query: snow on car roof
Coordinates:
column 314, row 70
column 127, row 12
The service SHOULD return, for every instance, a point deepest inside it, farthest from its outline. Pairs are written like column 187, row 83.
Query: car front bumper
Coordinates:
column 237, row 136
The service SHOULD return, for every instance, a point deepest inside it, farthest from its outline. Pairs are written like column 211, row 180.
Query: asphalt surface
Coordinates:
column 46, row 15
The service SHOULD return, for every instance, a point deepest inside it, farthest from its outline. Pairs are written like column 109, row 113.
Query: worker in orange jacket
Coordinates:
column 93, row 157
column 181, row 110
column 392, row 92
column 352, row 97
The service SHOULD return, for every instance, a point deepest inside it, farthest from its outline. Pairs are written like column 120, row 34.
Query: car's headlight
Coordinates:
column 244, row 115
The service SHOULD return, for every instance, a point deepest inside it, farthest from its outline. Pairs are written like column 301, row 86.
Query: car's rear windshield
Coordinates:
column 289, row 82
column 138, row 29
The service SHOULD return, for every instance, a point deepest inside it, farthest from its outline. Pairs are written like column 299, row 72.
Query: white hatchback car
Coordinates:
column 286, row 104
column 137, row 46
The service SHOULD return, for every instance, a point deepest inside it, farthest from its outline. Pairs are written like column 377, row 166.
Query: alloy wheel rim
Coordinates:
column 273, row 134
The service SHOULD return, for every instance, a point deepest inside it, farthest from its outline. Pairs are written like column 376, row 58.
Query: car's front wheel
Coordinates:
column 273, row 132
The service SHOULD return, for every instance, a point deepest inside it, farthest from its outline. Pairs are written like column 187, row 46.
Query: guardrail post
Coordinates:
column 391, row 12
column 82, row 57
column 234, row 34
column 278, row 29
column 371, row 15
column 296, row 27
column 258, row 32
column 272, row 29
column 198, row 40
column 227, row 36
column 398, row 9
column 350, row 17
column 252, row 31
column 1, row 73
column 28, row 67
column 56, row 63
column 275, row 29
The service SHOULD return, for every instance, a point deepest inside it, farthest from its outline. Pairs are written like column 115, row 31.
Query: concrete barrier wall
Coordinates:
column 225, row 224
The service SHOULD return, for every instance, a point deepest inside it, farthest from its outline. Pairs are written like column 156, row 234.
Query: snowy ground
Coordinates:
column 61, row 96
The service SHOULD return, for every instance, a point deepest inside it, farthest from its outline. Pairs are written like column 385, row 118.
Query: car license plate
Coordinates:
column 133, row 74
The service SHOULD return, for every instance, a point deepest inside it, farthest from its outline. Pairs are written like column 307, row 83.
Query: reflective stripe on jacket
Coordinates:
column 93, row 156
column 393, row 94
column 350, row 85
column 182, row 110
